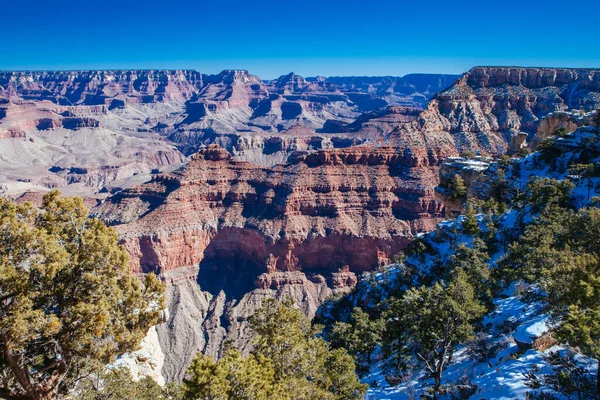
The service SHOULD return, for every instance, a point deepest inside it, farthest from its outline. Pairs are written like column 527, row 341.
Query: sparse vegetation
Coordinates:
column 428, row 322
column 360, row 336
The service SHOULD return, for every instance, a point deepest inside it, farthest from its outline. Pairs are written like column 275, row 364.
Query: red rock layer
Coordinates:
column 352, row 207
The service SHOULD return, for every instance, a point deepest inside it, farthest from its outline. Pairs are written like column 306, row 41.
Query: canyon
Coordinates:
column 235, row 190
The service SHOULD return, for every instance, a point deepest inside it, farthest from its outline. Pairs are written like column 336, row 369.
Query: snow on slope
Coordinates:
column 514, row 324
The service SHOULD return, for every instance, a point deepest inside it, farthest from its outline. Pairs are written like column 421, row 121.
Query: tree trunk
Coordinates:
column 34, row 390
column 8, row 395
column 438, row 378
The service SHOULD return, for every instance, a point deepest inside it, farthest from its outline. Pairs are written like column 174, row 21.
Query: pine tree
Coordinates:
column 474, row 262
column 360, row 336
column 429, row 321
column 457, row 187
column 118, row 384
column 69, row 304
column 470, row 223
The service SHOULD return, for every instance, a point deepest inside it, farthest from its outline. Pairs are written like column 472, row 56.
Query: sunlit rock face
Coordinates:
column 235, row 190
column 220, row 229
column 486, row 108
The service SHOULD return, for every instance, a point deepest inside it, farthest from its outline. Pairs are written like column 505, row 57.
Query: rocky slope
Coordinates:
column 518, row 327
column 490, row 107
column 80, row 149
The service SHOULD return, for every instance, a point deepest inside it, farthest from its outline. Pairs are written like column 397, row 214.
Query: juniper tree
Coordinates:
column 583, row 172
column 473, row 260
column 360, row 336
column 470, row 223
column 428, row 322
column 68, row 302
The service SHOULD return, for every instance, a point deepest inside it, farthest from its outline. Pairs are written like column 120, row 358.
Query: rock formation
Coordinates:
column 552, row 123
column 489, row 106
column 142, row 121
column 291, row 187
column 303, row 229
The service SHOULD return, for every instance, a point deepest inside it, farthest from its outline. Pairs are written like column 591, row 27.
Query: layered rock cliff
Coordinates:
column 489, row 106
column 134, row 120
column 355, row 198
column 304, row 229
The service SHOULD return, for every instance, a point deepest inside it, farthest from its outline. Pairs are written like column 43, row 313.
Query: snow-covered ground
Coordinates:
column 513, row 325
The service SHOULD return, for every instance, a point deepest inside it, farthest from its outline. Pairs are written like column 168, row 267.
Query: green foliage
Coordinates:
column 117, row 384
column 457, row 188
column 561, row 132
column 583, row 173
column 573, row 286
column 232, row 377
column 504, row 161
column 288, row 361
column 360, row 336
column 501, row 192
column 491, row 240
column 468, row 154
column 418, row 247
column 548, row 152
column 69, row 304
column 473, row 261
column 561, row 252
column 470, row 223
column 398, row 258
column 538, row 246
column 427, row 323
column 546, row 192
column 523, row 152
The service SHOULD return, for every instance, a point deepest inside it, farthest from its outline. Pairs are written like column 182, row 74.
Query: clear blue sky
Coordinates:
column 325, row 37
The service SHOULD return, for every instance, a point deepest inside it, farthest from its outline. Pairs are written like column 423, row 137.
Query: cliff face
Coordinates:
column 489, row 106
column 230, row 101
column 353, row 203
column 101, row 87
column 49, row 120
column 221, row 229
